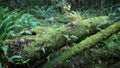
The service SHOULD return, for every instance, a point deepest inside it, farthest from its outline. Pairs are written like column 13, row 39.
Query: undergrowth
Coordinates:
column 13, row 22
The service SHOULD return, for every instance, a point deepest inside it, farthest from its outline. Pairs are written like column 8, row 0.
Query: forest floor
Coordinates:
column 74, row 39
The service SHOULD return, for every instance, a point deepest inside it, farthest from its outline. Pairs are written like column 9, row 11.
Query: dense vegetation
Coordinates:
column 59, row 33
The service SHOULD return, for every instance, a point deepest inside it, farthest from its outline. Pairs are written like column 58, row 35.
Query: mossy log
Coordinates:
column 105, row 52
column 65, row 35
column 48, row 40
column 85, row 44
column 108, row 47
column 100, row 55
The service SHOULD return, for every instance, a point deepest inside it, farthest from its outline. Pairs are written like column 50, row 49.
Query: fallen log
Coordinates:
column 44, row 43
column 85, row 44
column 66, row 35
column 110, row 47
column 99, row 55
column 105, row 52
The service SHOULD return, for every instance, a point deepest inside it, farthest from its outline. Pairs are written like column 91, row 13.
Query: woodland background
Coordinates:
column 60, row 33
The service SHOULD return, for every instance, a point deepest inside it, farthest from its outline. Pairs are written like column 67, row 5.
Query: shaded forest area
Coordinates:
column 59, row 33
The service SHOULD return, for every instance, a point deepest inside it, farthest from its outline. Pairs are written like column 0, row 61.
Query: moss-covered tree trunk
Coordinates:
column 62, row 36
column 85, row 44
column 47, row 40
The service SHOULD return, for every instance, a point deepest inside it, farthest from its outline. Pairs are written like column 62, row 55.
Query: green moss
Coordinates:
column 85, row 44
column 89, row 23
column 42, row 30
column 48, row 39
column 54, row 39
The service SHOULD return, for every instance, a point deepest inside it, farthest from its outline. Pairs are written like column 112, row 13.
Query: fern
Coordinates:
column 14, row 21
column 7, row 22
column 42, row 12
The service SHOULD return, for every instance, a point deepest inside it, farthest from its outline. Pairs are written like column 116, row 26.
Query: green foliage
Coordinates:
column 16, row 59
column 14, row 21
column 70, row 37
column 27, row 20
column 42, row 12
column 7, row 22
column 76, row 15
column 3, row 13
column 113, row 42
column 67, row 37
column 11, row 23
column 5, row 50
column 60, row 5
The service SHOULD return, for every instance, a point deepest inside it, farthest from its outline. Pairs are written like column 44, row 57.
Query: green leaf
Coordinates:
column 5, row 49
column 67, row 37
column 48, row 58
column 26, row 61
column 43, row 49
column 14, row 57
column 74, row 37
column 21, row 61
